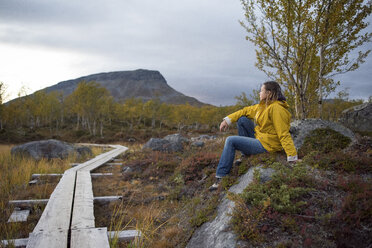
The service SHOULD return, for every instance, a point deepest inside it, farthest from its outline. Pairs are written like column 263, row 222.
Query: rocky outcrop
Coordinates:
column 203, row 137
column 218, row 233
column 49, row 149
column 170, row 143
column 300, row 129
column 143, row 84
column 358, row 118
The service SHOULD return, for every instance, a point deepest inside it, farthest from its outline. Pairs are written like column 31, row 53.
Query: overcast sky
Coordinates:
column 197, row 45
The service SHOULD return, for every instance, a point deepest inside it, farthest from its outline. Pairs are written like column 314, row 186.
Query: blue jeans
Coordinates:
column 245, row 142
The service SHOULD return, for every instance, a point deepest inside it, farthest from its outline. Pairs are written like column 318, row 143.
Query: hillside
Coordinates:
column 144, row 84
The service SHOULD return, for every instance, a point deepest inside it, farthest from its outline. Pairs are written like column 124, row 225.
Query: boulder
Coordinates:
column 126, row 169
column 300, row 129
column 266, row 174
column 218, row 232
column 163, row 145
column 198, row 143
column 358, row 118
column 49, row 149
column 203, row 137
column 176, row 138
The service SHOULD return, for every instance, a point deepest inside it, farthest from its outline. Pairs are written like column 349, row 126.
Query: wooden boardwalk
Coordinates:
column 68, row 218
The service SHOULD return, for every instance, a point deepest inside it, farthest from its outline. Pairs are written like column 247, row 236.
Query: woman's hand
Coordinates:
column 223, row 126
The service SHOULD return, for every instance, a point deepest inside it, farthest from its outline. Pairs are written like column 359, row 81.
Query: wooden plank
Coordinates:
column 93, row 175
column 114, row 164
column 45, row 201
column 59, row 175
column 15, row 242
column 124, row 235
column 55, row 239
column 19, row 215
column 89, row 238
column 57, row 212
column 82, row 213
column 54, row 223
column 107, row 198
column 33, row 182
column 28, row 202
column 34, row 176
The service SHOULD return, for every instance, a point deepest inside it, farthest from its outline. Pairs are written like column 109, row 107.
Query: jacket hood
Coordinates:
column 283, row 103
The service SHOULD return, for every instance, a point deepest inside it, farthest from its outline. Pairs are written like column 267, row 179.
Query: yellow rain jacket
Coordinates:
column 273, row 123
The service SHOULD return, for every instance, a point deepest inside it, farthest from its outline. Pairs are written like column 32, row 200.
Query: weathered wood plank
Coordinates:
column 57, row 212
column 28, row 202
column 45, row 201
column 34, row 176
column 55, row 239
column 114, row 164
column 89, row 238
column 93, row 175
column 83, row 214
column 54, row 223
column 33, row 182
column 101, row 159
column 19, row 215
column 124, row 235
column 107, row 198
column 15, row 242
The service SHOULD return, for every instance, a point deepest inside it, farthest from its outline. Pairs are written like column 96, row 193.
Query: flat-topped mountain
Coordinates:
column 144, row 84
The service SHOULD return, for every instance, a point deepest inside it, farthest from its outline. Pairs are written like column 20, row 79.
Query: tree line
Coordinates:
column 91, row 107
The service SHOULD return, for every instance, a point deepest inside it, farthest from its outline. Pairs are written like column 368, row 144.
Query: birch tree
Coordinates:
column 303, row 44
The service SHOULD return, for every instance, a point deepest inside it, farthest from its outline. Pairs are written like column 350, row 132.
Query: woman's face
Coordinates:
column 263, row 93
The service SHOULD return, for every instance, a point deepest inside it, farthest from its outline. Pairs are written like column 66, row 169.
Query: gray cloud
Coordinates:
column 198, row 45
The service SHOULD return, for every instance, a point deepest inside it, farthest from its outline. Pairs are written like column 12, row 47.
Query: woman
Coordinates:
column 271, row 133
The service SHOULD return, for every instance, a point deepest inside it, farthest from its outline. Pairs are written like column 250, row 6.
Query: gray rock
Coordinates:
column 203, row 137
column 198, row 143
column 266, row 174
column 84, row 151
column 300, row 129
column 48, row 149
column 218, row 233
column 358, row 118
column 126, row 169
column 163, row 145
column 176, row 138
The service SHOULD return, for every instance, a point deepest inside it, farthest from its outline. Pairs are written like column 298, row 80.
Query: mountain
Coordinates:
column 144, row 84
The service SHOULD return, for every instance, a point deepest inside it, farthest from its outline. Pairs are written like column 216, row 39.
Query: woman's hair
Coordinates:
column 274, row 92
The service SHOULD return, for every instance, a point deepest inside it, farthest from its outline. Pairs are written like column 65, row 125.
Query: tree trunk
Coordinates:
column 94, row 128
column 297, row 111
column 320, row 82
column 89, row 127
column 101, row 129
column 77, row 123
column 153, row 123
